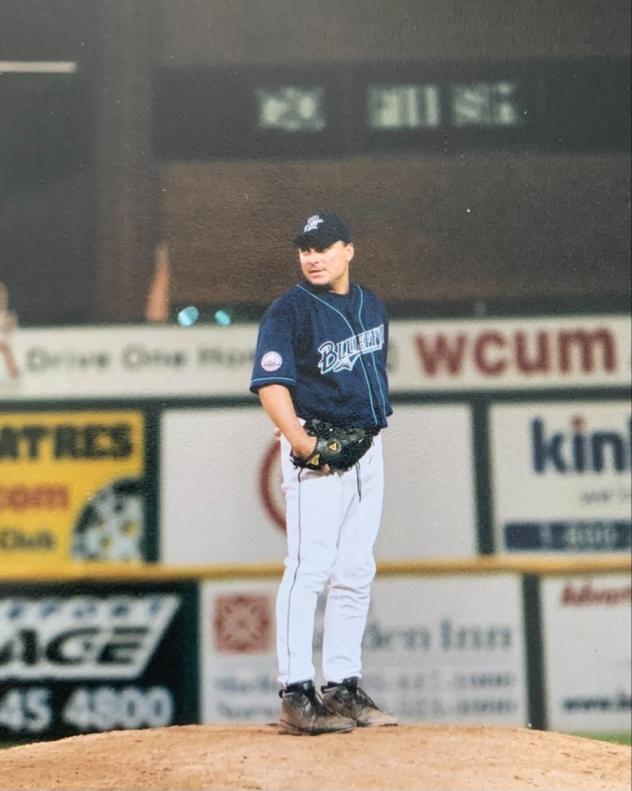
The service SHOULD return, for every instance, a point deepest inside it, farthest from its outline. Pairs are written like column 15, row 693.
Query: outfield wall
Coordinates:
column 530, row 644
column 509, row 436
column 503, row 554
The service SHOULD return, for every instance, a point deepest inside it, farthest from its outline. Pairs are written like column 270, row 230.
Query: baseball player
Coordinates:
column 320, row 373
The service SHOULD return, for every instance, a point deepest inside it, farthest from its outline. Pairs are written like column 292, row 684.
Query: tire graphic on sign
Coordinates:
column 270, row 485
column 110, row 526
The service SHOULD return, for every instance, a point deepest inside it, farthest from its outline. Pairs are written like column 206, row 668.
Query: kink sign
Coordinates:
column 561, row 476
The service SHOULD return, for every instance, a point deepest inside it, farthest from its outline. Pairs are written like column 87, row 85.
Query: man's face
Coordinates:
column 328, row 268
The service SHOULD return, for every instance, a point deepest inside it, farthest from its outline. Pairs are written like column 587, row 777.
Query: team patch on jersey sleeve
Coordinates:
column 271, row 361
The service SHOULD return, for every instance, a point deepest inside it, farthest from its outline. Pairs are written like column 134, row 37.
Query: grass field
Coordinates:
column 617, row 738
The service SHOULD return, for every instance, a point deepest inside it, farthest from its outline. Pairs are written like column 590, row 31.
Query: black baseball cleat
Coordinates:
column 304, row 714
column 350, row 700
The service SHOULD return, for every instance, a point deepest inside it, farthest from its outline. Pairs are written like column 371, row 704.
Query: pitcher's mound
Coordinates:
column 248, row 757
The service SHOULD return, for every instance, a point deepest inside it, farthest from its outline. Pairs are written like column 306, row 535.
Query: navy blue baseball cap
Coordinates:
column 321, row 230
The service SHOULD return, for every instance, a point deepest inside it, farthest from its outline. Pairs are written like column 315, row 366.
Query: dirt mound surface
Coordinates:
column 241, row 757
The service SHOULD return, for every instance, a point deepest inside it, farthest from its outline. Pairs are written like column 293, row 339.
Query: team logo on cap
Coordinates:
column 271, row 361
column 312, row 223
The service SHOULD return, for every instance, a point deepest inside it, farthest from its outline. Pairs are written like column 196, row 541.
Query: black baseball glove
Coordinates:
column 338, row 447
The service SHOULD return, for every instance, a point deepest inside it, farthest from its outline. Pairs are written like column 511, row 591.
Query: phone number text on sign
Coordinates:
column 30, row 710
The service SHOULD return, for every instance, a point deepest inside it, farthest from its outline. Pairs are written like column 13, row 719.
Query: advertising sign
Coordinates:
column 429, row 489
column 117, row 362
column 237, row 655
column 100, row 658
column 71, row 487
column 511, row 354
column 220, row 504
column 447, row 649
column 588, row 667
column 9, row 372
column 424, row 356
column 561, row 476
column 220, row 487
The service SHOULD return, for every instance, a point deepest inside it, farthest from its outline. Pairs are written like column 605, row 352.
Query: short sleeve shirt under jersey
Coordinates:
column 330, row 351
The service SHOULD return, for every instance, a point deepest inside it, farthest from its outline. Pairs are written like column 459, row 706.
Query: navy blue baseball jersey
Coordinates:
column 330, row 351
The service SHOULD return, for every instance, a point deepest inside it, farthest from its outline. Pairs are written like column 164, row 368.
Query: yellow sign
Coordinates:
column 71, row 487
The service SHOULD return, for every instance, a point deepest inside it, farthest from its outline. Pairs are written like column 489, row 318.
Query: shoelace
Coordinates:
column 317, row 702
column 352, row 689
column 361, row 696
column 311, row 695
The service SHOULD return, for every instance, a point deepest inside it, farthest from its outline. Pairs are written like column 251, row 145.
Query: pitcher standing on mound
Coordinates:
column 320, row 373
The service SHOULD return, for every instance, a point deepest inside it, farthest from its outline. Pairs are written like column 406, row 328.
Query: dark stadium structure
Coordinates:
column 482, row 149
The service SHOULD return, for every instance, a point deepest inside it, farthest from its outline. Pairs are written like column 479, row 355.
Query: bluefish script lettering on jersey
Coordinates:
column 343, row 355
column 579, row 450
